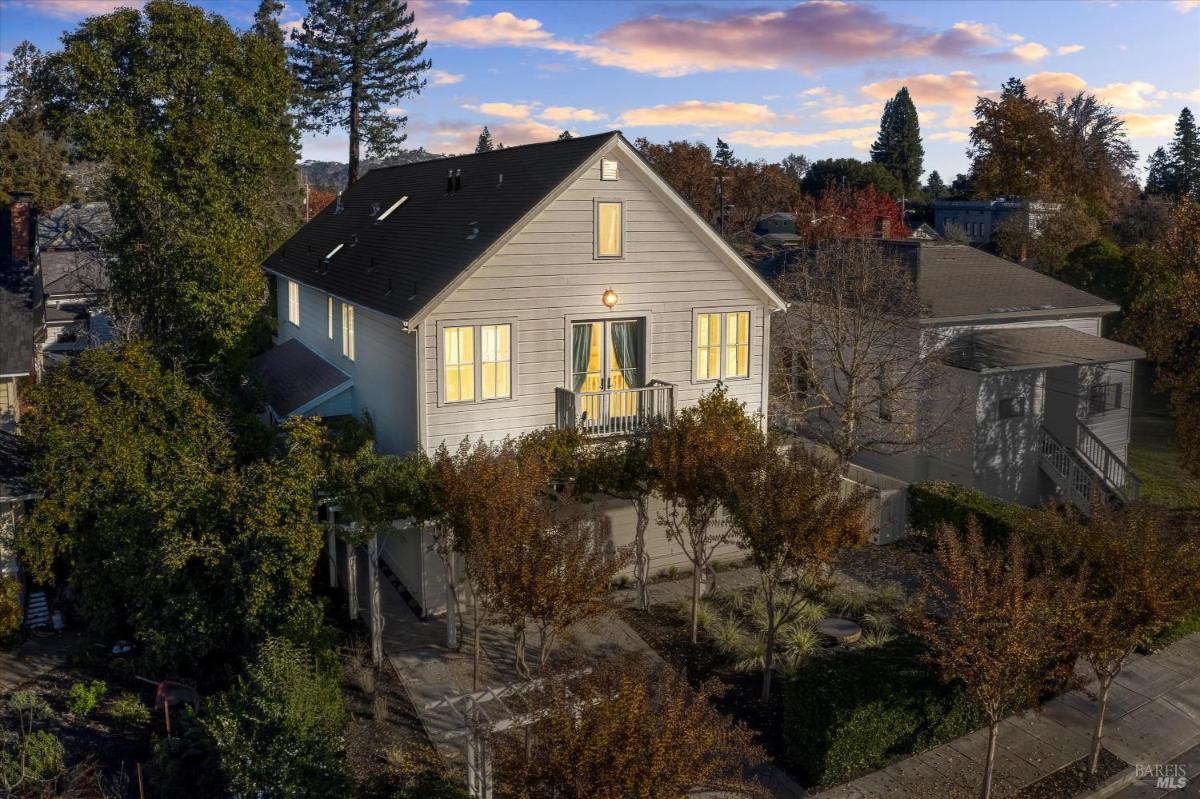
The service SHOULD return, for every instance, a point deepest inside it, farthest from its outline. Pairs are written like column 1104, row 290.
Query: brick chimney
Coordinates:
column 22, row 227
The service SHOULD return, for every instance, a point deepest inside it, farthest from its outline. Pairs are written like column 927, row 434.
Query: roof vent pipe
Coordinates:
column 458, row 180
column 450, row 182
column 337, row 209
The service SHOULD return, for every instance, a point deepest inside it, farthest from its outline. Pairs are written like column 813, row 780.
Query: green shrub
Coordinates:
column 45, row 759
column 10, row 606
column 278, row 732
column 84, row 697
column 128, row 711
column 1182, row 627
column 852, row 711
column 933, row 503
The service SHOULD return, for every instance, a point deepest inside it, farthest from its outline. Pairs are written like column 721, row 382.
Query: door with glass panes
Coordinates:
column 606, row 365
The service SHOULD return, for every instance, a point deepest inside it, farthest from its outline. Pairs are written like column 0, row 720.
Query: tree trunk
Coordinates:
column 1098, row 732
column 375, row 600
column 695, row 602
column 352, row 579
column 519, row 652
column 355, row 93
column 990, row 763
column 641, row 567
column 331, row 545
column 769, row 653
column 451, row 602
column 475, row 645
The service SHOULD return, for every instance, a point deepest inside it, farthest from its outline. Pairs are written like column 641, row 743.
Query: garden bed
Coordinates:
column 1073, row 780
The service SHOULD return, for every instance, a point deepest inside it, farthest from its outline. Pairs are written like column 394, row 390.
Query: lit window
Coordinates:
column 459, row 360
column 294, row 302
column 1010, row 407
column 1104, row 397
column 708, row 346
column 495, row 358
column 722, row 345
column 329, row 316
column 737, row 344
column 348, row 331
column 608, row 230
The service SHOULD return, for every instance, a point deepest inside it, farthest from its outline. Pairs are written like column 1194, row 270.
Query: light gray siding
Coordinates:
column 383, row 370
column 547, row 276
column 1006, row 450
column 1111, row 427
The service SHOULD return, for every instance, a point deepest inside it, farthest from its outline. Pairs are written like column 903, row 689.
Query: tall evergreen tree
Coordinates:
column 30, row 159
column 724, row 155
column 936, row 188
column 485, row 143
column 1158, row 172
column 356, row 59
column 266, row 21
column 898, row 146
column 1185, row 157
column 195, row 148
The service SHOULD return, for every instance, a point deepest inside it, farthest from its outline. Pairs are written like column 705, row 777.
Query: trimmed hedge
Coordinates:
column 930, row 504
column 853, row 711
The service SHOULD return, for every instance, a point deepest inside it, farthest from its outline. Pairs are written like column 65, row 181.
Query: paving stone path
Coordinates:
column 1153, row 717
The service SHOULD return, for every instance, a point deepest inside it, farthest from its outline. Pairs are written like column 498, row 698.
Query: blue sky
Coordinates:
column 769, row 77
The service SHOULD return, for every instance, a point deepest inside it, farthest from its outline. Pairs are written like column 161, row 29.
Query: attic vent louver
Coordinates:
column 608, row 169
column 391, row 208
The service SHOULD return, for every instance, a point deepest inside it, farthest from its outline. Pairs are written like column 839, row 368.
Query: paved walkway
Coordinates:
column 431, row 672
column 1181, row 779
column 33, row 658
column 1153, row 716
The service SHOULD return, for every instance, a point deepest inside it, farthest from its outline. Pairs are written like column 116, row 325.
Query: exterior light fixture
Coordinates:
column 609, row 298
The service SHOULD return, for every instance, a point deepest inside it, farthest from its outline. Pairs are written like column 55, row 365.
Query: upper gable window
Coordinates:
column 610, row 229
column 294, row 302
column 348, row 331
column 329, row 317
column 609, row 170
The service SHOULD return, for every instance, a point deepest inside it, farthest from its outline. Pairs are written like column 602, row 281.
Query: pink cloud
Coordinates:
column 1068, row 49
column 440, row 77
column 858, row 137
column 503, row 110
column 1051, row 84
column 1151, row 125
column 461, row 137
column 852, row 113
column 958, row 89
column 566, row 113
column 1030, row 52
column 696, row 112
column 71, row 9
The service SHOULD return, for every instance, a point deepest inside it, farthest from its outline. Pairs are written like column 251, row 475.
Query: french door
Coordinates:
column 606, row 365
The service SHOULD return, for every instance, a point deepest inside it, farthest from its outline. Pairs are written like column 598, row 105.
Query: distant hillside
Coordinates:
column 331, row 175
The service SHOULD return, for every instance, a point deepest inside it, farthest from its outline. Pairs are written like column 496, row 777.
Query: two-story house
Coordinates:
column 1045, row 398
column 71, row 277
column 489, row 295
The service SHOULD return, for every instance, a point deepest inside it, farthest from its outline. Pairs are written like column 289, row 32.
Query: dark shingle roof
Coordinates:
column 984, row 350
column 400, row 264
column 956, row 280
column 74, row 226
column 14, row 467
column 73, row 272
column 294, row 376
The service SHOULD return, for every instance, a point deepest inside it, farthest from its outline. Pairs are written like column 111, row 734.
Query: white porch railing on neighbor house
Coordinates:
column 614, row 412
column 1076, row 474
column 1115, row 472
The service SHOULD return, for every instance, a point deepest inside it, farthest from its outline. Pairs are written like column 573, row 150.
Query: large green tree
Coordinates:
column 357, row 59
column 898, row 145
column 30, row 160
column 192, row 118
column 1012, row 143
column 166, row 537
column 1093, row 160
column 849, row 173
column 1185, row 157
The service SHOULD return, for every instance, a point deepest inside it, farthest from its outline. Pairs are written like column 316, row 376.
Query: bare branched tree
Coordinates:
column 850, row 369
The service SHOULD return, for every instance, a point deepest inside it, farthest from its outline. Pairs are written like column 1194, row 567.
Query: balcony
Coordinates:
column 615, row 412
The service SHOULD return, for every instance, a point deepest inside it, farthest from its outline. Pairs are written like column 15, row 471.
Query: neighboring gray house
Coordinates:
column 1043, row 399
column 71, row 278
column 490, row 295
column 18, row 362
column 979, row 219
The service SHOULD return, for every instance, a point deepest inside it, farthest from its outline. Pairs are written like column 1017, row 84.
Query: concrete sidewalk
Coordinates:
column 1153, row 717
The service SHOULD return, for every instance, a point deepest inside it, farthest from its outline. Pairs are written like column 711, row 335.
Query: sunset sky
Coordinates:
column 769, row 78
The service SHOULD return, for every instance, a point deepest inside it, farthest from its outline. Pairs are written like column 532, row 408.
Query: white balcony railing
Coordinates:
column 615, row 412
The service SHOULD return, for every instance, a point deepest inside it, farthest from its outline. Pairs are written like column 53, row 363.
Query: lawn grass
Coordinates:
column 1154, row 459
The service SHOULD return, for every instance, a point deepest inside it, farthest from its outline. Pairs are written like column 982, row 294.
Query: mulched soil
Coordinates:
column 662, row 629
column 1073, row 780
column 907, row 563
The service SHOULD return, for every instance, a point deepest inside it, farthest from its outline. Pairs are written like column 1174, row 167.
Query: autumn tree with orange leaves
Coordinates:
column 695, row 460
column 631, row 728
column 1005, row 634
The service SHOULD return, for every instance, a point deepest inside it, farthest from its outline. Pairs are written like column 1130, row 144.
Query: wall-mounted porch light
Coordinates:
column 609, row 298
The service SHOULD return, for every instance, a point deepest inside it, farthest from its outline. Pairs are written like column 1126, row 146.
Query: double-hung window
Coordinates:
column 476, row 362
column 1104, row 397
column 348, row 331
column 293, row 302
column 722, row 345
column 1010, row 407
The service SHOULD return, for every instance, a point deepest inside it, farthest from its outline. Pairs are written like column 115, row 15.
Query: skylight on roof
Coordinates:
column 334, row 251
column 391, row 208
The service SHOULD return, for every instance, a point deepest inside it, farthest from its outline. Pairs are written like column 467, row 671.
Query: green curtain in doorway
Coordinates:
column 581, row 351
column 625, row 344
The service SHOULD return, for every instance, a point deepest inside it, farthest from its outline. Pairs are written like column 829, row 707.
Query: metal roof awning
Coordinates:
column 297, row 379
column 1016, row 349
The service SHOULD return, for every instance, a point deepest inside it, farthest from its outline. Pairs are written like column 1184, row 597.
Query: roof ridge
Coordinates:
column 501, row 150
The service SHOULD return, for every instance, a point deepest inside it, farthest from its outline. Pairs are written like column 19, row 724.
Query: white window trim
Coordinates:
column 348, row 326
column 329, row 315
column 596, row 203
column 477, row 325
column 293, row 314
column 754, row 312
